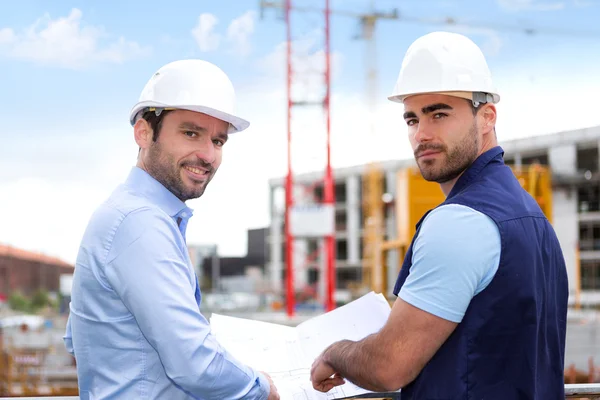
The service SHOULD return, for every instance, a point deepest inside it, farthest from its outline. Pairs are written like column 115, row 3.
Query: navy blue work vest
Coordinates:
column 511, row 341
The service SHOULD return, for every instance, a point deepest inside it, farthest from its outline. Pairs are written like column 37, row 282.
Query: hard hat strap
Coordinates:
column 157, row 111
column 481, row 98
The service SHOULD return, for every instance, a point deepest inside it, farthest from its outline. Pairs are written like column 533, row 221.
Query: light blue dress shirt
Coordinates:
column 135, row 326
column 445, row 276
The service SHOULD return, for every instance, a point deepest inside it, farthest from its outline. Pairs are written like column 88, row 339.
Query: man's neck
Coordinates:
column 447, row 186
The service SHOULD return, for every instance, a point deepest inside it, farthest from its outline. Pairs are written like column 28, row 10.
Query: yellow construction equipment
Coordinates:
column 413, row 198
column 26, row 370
column 373, row 214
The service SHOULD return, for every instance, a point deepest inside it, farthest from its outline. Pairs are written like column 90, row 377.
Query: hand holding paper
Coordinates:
column 287, row 353
column 324, row 377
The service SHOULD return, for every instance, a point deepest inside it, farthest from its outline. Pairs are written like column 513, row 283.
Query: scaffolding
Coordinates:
column 321, row 101
column 373, row 214
column 413, row 198
column 368, row 23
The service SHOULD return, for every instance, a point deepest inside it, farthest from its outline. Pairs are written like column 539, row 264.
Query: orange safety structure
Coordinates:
column 413, row 198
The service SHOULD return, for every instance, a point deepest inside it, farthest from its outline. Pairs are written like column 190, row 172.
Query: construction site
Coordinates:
column 335, row 234
column 378, row 205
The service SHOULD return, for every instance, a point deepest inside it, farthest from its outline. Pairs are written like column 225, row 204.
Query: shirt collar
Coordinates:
column 143, row 183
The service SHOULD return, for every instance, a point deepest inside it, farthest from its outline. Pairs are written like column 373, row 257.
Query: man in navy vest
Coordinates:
column 482, row 294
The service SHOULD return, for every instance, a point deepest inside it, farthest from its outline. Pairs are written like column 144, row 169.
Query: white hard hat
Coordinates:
column 194, row 85
column 448, row 63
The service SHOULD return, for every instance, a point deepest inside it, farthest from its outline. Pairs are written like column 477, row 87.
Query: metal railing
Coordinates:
column 589, row 391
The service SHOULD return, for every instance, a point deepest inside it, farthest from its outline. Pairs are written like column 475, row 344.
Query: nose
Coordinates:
column 205, row 150
column 423, row 132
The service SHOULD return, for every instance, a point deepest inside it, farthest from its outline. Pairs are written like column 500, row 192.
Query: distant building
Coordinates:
column 572, row 156
column 27, row 272
column 230, row 273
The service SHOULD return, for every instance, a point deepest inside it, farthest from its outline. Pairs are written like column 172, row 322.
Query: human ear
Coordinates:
column 142, row 133
column 488, row 118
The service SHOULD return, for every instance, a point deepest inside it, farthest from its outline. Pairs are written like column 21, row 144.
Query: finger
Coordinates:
column 336, row 380
column 321, row 387
column 328, row 384
column 319, row 372
column 324, row 387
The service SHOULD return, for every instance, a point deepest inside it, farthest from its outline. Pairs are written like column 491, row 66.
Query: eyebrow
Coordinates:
column 197, row 128
column 192, row 127
column 428, row 109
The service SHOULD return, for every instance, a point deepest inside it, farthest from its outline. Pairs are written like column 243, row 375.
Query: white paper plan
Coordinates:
column 287, row 353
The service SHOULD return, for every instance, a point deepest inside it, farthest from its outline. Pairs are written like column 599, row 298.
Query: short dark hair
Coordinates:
column 155, row 121
column 473, row 108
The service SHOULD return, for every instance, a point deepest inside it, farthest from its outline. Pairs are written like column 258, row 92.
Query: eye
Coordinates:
column 219, row 142
column 191, row 134
column 411, row 122
column 439, row 115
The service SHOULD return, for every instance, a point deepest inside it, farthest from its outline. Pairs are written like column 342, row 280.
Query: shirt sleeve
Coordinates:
column 68, row 337
column 147, row 269
column 455, row 256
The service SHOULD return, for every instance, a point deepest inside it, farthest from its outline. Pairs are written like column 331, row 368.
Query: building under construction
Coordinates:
column 377, row 206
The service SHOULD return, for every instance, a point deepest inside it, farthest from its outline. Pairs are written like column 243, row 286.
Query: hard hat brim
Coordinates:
column 237, row 124
column 399, row 98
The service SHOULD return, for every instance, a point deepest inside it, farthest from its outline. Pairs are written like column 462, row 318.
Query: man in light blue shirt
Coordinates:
column 135, row 327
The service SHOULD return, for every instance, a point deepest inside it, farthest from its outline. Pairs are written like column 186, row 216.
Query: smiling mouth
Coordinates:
column 197, row 171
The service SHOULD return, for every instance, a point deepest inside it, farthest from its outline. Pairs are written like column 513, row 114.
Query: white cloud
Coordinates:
column 537, row 5
column 582, row 3
column 6, row 35
column 204, row 33
column 308, row 60
column 66, row 42
column 46, row 216
column 239, row 32
column 47, row 198
column 237, row 37
column 55, row 152
column 536, row 98
column 351, row 138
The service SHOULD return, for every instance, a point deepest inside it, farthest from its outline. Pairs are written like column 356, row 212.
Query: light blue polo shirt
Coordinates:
column 444, row 277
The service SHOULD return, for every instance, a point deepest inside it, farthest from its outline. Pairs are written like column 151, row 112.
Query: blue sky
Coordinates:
column 71, row 71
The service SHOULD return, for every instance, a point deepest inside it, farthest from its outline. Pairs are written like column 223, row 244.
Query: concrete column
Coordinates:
column 300, row 265
column 353, row 205
column 322, row 265
column 275, row 243
column 216, row 272
column 518, row 160
column 390, row 228
column 563, row 160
